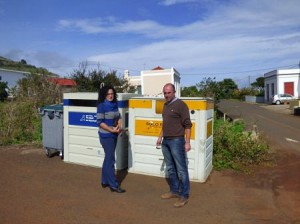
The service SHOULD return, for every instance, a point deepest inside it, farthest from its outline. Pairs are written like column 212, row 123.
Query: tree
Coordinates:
column 112, row 79
column 260, row 82
column 259, row 85
column 90, row 81
column 23, row 62
column 37, row 89
column 227, row 86
column 191, row 91
column 208, row 87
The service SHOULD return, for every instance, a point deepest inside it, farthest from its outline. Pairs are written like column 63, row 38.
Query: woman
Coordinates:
column 110, row 126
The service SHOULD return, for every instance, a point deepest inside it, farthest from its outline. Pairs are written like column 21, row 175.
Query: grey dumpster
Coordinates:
column 52, row 129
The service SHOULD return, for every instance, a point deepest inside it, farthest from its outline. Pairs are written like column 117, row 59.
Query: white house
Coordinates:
column 282, row 81
column 11, row 76
column 153, row 81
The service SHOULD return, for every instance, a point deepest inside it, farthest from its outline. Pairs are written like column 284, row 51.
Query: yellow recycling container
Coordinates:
column 145, row 121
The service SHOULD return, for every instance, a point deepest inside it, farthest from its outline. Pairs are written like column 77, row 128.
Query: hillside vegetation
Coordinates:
column 22, row 65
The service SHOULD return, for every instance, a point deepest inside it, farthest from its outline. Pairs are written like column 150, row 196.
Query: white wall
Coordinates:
column 153, row 81
column 278, row 78
column 11, row 76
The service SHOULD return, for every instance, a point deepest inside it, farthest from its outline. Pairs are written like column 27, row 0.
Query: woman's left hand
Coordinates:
column 117, row 129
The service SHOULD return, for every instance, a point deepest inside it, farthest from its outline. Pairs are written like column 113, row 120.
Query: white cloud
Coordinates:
column 226, row 54
column 95, row 26
column 232, row 38
column 84, row 25
column 249, row 18
column 174, row 2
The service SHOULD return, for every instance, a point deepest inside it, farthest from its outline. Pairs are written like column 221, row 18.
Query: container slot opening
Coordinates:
column 82, row 103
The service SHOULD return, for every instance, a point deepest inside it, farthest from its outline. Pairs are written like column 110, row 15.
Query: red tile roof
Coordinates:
column 63, row 81
column 158, row 68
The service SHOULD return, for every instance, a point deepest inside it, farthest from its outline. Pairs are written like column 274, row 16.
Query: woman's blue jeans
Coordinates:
column 108, row 167
column 176, row 166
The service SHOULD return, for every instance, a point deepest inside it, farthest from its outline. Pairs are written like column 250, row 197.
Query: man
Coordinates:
column 175, row 141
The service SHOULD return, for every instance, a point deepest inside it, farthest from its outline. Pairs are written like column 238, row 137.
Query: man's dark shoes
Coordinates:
column 117, row 190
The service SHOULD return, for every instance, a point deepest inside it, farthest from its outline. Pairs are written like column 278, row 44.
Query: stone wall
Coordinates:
column 255, row 99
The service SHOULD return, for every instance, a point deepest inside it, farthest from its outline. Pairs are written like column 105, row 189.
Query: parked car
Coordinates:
column 282, row 98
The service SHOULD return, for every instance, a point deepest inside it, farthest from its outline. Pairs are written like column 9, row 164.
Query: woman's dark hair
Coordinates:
column 103, row 92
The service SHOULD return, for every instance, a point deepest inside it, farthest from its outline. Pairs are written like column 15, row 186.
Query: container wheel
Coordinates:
column 61, row 154
column 48, row 152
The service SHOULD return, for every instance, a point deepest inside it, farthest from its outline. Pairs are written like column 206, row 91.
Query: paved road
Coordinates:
column 276, row 122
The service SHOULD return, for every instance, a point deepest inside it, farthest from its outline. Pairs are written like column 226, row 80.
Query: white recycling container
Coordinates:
column 81, row 139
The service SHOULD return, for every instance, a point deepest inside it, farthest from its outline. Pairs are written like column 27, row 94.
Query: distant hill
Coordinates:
column 22, row 65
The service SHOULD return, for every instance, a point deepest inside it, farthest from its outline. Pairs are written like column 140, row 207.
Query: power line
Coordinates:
column 246, row 71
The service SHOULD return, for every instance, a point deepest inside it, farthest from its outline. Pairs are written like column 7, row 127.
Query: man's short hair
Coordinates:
column 172, row 85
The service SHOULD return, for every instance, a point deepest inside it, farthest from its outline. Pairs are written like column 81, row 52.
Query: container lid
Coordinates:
column 54, row 107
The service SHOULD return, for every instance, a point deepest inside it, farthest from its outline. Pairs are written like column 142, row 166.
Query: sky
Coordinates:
column 236, row 39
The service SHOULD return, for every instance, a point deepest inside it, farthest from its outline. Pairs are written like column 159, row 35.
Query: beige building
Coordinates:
column 152, row 81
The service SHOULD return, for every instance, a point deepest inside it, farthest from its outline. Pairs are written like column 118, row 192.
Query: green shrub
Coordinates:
column 237, row 149
column 20, row 123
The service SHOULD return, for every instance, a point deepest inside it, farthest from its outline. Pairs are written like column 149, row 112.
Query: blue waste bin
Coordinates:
column 52, row 129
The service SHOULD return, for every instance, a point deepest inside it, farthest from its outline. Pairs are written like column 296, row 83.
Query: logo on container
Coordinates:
column 153, row 124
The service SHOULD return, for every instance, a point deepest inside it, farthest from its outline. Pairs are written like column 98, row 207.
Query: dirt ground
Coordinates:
column 37, row 189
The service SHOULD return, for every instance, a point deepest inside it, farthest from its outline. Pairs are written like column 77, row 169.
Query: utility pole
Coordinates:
column 249, row 81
